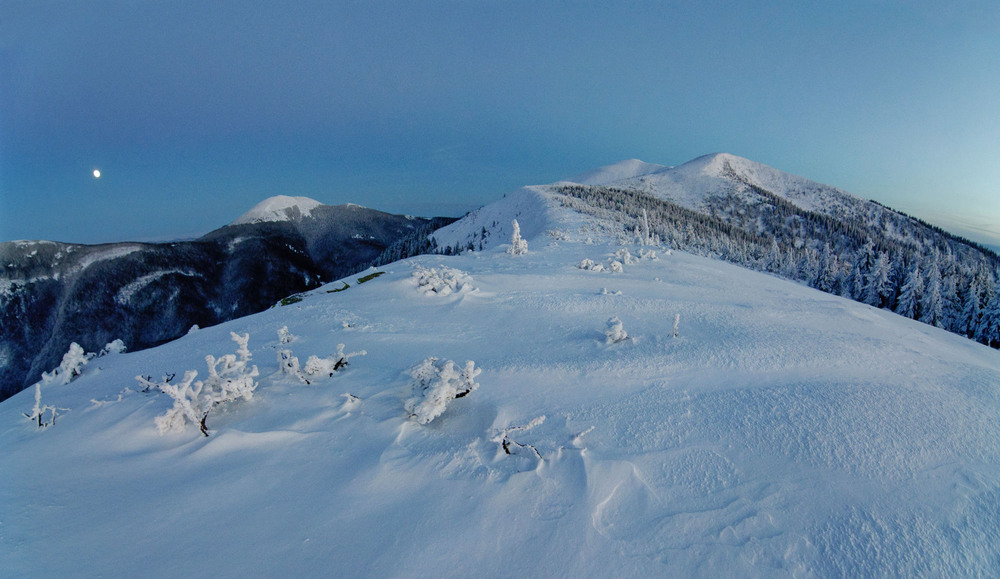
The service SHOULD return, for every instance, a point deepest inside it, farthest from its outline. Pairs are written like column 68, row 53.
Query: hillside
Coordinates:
column 761, row 218
column 772, row 429
column 53, row 294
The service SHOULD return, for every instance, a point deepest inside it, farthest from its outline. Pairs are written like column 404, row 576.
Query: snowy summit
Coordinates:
column 278, row 208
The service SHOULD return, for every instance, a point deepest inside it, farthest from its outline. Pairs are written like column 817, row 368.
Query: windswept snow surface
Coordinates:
column 782, row 432
column 278, row 208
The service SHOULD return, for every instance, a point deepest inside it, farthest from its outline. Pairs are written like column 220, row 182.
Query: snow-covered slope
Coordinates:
column 278, row 208
column 694, row 183
column 781, row 431
column 628, row 169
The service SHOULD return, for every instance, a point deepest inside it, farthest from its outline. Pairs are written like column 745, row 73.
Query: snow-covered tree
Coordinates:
column 435, row 384
column 989, row 333
column 644, row 233
column 932, row 304
column 518, row 245
column 615, row 332
column 911, row 293
column 862, row 267
column 877, row 284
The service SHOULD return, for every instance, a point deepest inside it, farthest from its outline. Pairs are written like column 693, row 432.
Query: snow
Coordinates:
column 125, row 293
column 690, row 184
column 609, row 174
column 783, row 432
column 114, row 252
column 278, row 208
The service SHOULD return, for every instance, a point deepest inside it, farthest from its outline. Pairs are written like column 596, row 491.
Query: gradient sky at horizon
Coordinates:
column 194, row 111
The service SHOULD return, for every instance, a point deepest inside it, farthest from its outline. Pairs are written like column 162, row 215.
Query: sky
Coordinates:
column 195, row 111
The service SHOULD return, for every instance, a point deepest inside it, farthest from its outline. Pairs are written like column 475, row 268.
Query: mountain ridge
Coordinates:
column 764, row 219
column 53, row 294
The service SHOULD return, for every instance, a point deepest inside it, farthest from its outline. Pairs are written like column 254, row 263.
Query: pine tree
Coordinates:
column 862, row 266
column 932, row 304
column 991, row 322
column 911, row 294
column 877, row 285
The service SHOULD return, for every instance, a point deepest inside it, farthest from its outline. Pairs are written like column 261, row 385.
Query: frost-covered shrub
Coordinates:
column 615, row 332
column 625, row 256
column 39, row 410
column 518, row 245
column 284, row 336
column 510, row 446
column 230, row 378
column 435, row 384
column 113, row 347
column 71, row 366
column 589, row 265
column 316, row 365
column 289, row 364
column 442, row 281
column 649, row 254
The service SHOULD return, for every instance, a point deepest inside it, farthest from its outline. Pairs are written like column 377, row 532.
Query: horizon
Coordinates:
column 166, row 123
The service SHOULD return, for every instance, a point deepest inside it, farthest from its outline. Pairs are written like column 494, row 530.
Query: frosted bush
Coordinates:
column 316, row 365
column 289, row 364
column 230, row 378
column 518, row 245
column 511, row 446
column 39, row 410
column 625, row 256
column 71, row 366
column 435, row 384
column 113, row 347
column 284, row 336
column 648, row 254
column 442, row 281
column 589, row 265
column 615, row 332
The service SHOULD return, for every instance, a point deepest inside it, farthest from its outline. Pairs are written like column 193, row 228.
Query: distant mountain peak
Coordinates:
column 278, row 208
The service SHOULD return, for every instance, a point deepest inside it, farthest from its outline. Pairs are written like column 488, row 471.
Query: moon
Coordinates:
column 97, row 173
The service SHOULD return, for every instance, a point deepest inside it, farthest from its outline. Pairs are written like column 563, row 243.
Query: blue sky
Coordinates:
column 196, row 111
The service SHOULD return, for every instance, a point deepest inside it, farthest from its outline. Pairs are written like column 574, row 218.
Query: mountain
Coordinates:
column 54, row 294
column 746, row 425
column 761, row 218
column 279, row 208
